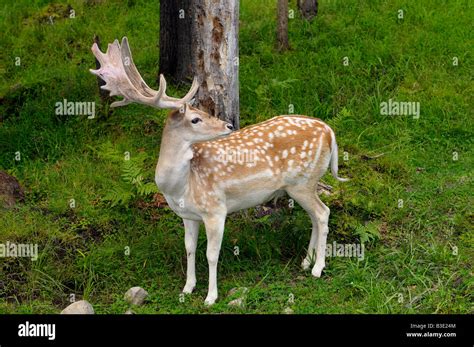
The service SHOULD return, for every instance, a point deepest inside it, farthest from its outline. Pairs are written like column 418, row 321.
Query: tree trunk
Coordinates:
column 200, row 38
column 282, row 26
column 308, row 8
column 215, row 45
column 175, row 40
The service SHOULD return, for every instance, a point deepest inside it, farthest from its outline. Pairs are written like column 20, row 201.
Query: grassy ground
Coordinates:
column 411, row 206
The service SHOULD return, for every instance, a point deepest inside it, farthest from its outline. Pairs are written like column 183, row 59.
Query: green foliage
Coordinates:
column 135, row 181
column 367, row 233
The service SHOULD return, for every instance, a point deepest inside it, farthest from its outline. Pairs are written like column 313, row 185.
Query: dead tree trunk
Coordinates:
column 282, row 26
column 176, row 55
column 308, row 8
column 215, row 42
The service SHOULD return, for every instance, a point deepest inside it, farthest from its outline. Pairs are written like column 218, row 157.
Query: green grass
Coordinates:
column 418, row 257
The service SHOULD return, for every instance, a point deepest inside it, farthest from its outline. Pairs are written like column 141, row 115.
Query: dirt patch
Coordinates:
column 10, row 190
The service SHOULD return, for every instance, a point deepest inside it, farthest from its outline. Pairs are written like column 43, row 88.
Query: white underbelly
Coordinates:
column 181, row 208
column 251, row 190
column 257, row 197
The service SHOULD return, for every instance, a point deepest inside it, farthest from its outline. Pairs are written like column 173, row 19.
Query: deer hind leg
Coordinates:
column 319, row 213
column 214, row 232
column 322, row 213
column 311, row 254
column 191, row 232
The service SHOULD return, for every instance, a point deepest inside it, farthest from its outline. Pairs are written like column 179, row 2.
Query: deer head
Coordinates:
column 196, row 126
column 122, row 78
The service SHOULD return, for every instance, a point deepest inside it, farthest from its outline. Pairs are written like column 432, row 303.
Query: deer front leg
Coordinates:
column 191, row 232
column 214, row 232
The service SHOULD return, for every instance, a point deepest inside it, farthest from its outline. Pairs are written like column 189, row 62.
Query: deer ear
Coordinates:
column 176, row 115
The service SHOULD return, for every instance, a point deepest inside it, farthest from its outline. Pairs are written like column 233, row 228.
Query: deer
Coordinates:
column 202, row 176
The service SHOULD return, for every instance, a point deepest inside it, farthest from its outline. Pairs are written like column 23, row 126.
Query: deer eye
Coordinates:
column 196, row 120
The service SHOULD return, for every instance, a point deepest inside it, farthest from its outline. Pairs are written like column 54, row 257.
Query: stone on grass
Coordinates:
column 129, row 311
column 288, row 310
column 241, row 293
column 79, row 307
column 239, row 302
column 136, row 296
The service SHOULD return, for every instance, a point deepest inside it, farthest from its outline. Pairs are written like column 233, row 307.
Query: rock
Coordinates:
column 79, row 307
column 241, row 292
column 136, row 296
column 239, row 302
column 10, row 190
column 129, row 311
column 288, row 310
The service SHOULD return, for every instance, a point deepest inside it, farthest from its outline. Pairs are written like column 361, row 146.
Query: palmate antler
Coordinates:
column 122, row 78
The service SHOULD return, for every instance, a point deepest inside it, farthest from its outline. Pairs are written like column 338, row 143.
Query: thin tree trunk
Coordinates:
column 175, row 40
column 282, row 26
column 308, row 8
column 215, row 45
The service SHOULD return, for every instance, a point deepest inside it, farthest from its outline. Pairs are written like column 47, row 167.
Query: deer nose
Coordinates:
column 230, row 126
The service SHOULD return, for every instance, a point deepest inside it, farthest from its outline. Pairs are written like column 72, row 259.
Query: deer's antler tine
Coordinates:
column 167, row 100
column 121, row 103
column 164, row 100
column 132, row 71
column 162, row 88
column 194, row 88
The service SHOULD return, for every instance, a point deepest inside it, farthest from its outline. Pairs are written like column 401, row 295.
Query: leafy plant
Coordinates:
column 135, row 181
column 368, row 232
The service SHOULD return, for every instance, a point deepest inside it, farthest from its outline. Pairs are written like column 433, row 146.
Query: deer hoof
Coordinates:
column 188, row 288
column 317, row 270
column 305, row 264
column 210, row 300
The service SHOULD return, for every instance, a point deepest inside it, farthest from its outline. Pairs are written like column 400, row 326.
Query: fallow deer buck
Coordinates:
column 200, row 176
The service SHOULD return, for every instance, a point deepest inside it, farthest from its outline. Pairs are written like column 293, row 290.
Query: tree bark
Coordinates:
column 215, row 44
column 282, row 26
column 176, row 17
column 308, row 8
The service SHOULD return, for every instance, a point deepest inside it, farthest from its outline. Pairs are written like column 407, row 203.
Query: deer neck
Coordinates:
column 174, row 164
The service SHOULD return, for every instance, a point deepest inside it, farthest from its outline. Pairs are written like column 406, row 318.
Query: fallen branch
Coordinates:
column 324, row 188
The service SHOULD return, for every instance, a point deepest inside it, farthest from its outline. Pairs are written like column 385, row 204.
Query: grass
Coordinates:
column 418, row 251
